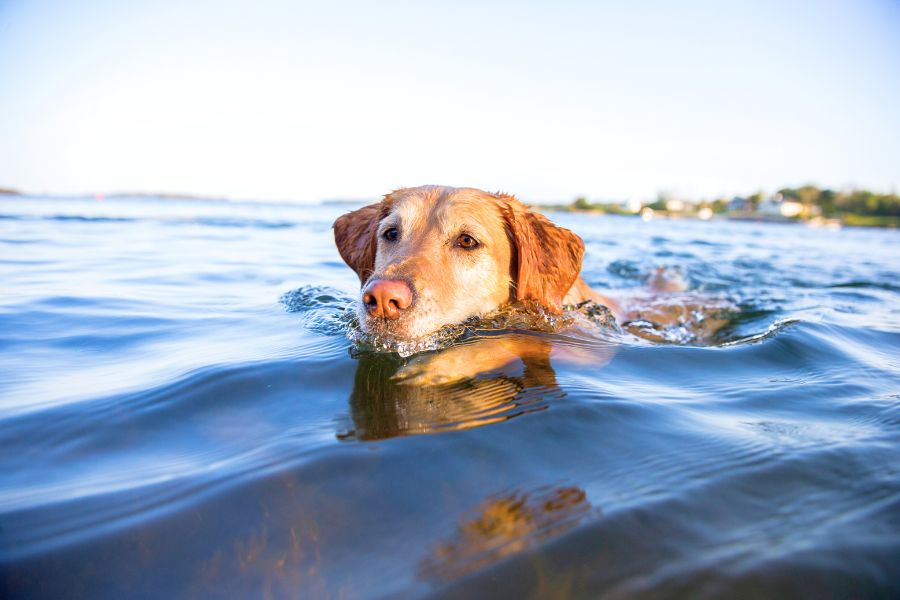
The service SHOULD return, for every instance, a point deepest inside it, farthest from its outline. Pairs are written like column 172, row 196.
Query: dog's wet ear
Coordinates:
column 354, row 235
column 547, row 258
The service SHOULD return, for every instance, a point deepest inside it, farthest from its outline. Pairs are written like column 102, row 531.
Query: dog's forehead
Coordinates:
column 446, row 207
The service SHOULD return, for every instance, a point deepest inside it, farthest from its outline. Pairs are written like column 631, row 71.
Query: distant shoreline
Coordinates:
column 6, row 192
column 807, row 204
column 90, row 195
column 850, row 220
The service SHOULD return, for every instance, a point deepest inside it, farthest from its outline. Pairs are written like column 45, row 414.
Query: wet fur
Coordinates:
column 524, row 256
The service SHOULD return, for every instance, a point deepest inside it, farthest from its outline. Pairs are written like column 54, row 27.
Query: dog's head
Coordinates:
column 433, row 256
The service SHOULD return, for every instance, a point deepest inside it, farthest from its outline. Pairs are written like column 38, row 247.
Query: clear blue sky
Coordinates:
column 311, row 100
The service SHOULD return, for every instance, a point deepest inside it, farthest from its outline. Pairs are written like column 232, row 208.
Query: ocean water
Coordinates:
column 182, row 414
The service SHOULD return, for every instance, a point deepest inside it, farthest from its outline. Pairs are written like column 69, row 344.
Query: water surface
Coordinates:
column 183, row 415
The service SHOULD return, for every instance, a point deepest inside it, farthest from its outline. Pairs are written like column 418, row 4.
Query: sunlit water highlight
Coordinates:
column 187, row 409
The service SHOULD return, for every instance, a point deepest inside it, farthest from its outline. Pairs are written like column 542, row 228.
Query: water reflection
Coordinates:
column 505, row 525
column 478, row 383
column 276, row 550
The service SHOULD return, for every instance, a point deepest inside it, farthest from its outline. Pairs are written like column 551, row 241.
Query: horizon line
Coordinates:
column 180, row 195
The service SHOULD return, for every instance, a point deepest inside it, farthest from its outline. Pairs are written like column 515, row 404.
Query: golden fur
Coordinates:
column 521, row 256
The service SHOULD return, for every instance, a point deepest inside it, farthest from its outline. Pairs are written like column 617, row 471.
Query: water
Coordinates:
column 182, row 414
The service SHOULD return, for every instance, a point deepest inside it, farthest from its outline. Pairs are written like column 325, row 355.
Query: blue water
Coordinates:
column 183, row 415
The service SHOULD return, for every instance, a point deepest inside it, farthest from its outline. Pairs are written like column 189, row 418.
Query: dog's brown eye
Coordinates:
column 466, row 242
column 391, row 234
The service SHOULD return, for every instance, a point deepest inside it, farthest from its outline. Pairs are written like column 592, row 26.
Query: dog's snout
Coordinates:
column 387, row 297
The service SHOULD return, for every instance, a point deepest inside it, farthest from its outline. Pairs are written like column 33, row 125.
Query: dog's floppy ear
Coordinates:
column 547, row 258
column 354, row 235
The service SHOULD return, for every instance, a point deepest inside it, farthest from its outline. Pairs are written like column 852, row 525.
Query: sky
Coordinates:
column 321, row 100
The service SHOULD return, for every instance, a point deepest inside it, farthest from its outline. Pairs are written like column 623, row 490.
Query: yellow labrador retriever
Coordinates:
column 433, row 256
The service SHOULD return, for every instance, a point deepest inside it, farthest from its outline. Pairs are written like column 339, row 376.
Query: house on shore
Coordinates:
column 770, row 208
column 776, row 206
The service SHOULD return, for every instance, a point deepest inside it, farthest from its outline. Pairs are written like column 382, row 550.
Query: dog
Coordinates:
column 433, row 256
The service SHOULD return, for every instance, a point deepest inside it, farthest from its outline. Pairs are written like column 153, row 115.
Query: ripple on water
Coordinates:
column 104, row 462
column 325, row 310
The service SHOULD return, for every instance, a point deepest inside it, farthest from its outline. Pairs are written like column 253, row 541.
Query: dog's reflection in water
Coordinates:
column 292, row 526
column 469, row 385
column 473, row 384
column 504, row 525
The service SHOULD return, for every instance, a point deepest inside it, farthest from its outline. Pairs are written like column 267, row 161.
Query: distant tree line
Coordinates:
column 851, row 206
column 836, row 203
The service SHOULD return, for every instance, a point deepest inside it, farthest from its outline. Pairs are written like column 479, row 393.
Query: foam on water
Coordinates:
column 682, row 319
column 324, row 309
column 588, row 317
